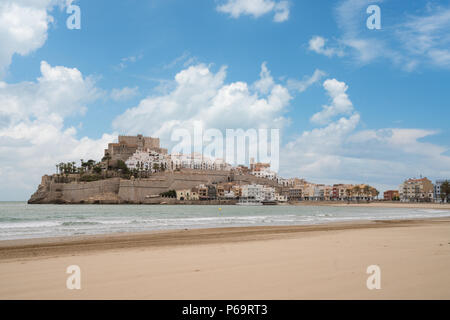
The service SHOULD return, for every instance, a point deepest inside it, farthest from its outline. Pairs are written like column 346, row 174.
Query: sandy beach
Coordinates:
column 292, row 262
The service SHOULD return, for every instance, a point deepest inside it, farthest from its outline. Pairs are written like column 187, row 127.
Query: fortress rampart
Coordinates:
column 116, row 190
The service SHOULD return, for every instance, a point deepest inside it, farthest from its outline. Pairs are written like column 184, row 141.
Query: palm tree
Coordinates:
column 64, row 168
column 356, row 190
column 348, row 193
column 90, row 164
column 366, row 190
column 377, row 193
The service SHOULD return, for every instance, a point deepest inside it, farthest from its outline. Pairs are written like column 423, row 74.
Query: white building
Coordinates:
column 258, row 192
column 269, row 194
column 286, row 182
column 197, row 161
column 229, row 195
column 265, row 173
column 147, row 161
column 437, row 190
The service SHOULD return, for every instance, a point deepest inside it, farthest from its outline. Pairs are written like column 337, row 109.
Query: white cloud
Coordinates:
column 427, row 36
column 200, row 96
column 306, row 82
column 281, row 11
column 317, row 44
column 415, row 40
column 59, row 92
column 23, row 27
column 33, row 137
column 340, row 102
column 124, row 93
column 265, row 82
column 126, row 61
column 186, row 59
column 256, row 8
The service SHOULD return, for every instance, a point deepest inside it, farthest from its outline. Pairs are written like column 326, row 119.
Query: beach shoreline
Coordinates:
column 362, row 204
column 31, row 248
column 377, row 204
column 326, row 261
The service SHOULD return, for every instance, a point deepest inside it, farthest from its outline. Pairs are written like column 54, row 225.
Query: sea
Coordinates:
column 19, row 220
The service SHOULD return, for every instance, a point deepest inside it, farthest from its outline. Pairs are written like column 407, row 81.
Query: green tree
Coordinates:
column 366, row 190
column 348, row 192
column 106, row 159
column 121, row 165
column 356, row 191
column 445, row 190
column 97, row 169
column 90, row 164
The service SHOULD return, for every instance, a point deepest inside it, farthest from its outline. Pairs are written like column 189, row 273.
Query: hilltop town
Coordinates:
column 137, row 170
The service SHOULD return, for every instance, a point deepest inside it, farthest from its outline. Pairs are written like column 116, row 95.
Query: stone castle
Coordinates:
column 128, row 145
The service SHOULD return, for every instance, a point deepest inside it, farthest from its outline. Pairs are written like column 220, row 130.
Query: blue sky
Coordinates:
column 149, row 66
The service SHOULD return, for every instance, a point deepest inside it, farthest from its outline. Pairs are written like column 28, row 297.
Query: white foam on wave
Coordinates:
column 31, row 224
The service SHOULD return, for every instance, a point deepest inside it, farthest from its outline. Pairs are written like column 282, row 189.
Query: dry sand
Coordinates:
column 295, row 262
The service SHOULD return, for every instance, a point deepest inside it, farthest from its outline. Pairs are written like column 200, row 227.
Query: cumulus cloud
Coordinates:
column 33, row 137
column 340, row 102
column 256, row 8
column 23, row 27
column 202, row 97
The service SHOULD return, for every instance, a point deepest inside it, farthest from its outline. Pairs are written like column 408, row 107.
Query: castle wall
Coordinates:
column 82, row 191
column 117, row 190
column 138, row 190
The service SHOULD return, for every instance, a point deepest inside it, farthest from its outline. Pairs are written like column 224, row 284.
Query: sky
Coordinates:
column 353, row 104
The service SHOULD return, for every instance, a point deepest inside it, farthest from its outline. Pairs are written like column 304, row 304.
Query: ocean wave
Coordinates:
column 80, row 223
column 10, row 219
column 25, row 225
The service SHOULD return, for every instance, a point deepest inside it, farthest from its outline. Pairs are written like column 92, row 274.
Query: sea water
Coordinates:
column 19, row 220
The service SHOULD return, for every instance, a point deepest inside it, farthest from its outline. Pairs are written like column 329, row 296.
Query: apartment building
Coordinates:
column 391, row 195
column 295, row 194
column 416, row 190
column 258, row 192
